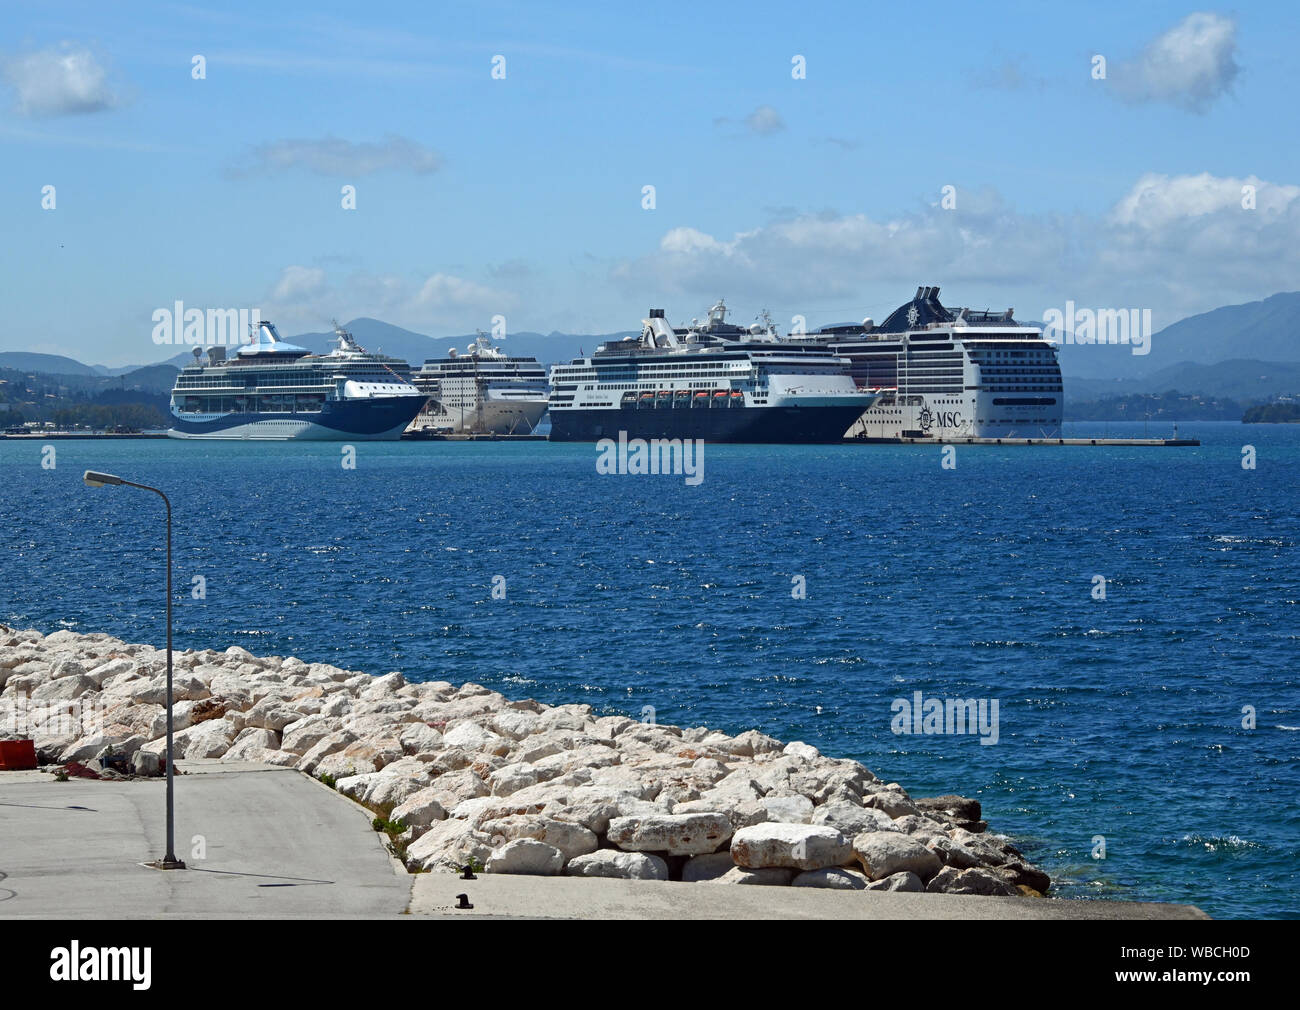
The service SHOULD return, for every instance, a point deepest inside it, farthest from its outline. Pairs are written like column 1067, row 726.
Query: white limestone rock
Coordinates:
column 852, row 819
column 420, row 738
column 676, row 834
column 570, row 838
column 892, row 801
column 796, row 846
column 904, row 880
column 772, row 876
column 884, row 853
column 527, row 856
column 622, row 865
column 474, row 737
column 252, row 744
column 788, row 809
column 419, row 810
column 799, row 749
column 837, row 878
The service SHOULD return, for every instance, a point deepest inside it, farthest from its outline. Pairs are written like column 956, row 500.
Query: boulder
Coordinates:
column 526, row 855
column 420, row 738
column 710, row 866
column 419, row 810
column 146, row 763
column 904, row 880
column 853, row 819
column 770, row 875
column 570, row 838
column 952, row 808
column 623, row 865
column 66, row 688
column 795, row 846
column 837, row 878
column 1023, row 875
column 447, row 845
column 676, row 834
column 953, row 853
column 252, row 744
column 950, row 880
column 894, row 802
column 788, row 809
column 474, row 738
column 799, row 749
column 884, row 853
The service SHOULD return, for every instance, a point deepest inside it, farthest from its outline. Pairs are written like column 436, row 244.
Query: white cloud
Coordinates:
column 1188, row 66
column 62, row 81
column 305, row 297
column 765, row 120
column 298, row 282
column 443, row 291
column 1177, row 244
column 341, row 158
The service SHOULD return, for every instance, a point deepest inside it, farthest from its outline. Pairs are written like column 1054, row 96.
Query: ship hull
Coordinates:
column 496, row 417
column 760, row 425
column 983, row 415
column 360, row 420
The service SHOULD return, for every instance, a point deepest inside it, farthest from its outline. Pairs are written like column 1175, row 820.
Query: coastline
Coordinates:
column 462, row 775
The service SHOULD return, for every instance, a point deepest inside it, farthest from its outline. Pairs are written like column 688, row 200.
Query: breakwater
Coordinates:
column 464, row 776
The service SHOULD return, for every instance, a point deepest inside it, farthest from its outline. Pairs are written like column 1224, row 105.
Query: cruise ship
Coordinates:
column 271, row 389
column 483, row 391
column 945, row 374
column 713, row 381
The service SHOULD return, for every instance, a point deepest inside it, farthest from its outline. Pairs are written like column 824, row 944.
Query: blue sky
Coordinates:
column 522, row 196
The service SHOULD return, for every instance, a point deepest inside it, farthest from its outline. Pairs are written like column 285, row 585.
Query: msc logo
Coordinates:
column 944, row 418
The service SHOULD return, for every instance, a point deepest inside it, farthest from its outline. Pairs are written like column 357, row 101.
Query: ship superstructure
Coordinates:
column 711, row 380
column 274, row 390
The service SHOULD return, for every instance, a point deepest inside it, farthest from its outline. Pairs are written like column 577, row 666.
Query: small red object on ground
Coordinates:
column 17, row 755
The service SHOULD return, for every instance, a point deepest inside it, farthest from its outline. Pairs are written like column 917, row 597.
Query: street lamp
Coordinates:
column 93, row 479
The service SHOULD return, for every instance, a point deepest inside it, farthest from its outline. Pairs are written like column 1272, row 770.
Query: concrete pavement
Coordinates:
column 260, row 841
column 599, row 898
column 268, row 842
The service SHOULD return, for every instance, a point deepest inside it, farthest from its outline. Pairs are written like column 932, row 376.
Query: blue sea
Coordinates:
column 1119, row 719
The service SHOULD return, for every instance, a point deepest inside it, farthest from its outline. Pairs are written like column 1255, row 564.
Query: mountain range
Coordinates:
column 1249, row 353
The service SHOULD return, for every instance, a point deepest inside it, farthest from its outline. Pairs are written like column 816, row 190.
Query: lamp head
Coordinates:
column 94, row 479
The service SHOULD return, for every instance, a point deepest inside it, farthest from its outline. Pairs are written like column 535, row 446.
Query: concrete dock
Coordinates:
column 1124, row 442
column 268, row 842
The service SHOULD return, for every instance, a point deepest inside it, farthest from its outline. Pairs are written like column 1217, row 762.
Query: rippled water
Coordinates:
column 1119, row 718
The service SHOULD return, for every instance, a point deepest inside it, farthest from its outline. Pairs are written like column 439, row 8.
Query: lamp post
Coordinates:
column 93, row 479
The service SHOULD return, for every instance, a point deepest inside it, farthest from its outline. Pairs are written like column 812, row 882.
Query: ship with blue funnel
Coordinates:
column 273, row 390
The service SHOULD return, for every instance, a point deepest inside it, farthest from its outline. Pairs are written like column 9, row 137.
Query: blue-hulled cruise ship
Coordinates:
column 270, row 389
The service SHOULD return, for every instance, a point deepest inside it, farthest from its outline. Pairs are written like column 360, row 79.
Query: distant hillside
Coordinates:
column 376, row 335
column 52, row 364
column 1267, row 330
column 1243, row 380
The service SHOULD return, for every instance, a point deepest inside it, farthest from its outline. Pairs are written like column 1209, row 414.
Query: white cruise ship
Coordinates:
column 712, row 381
column 947, row 374
column 483, row 391
column 270, row 389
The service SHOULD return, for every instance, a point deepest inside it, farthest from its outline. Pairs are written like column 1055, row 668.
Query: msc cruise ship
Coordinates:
column 713, row 381
column 483, row 390
column 270, row 389
column 945, row 373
